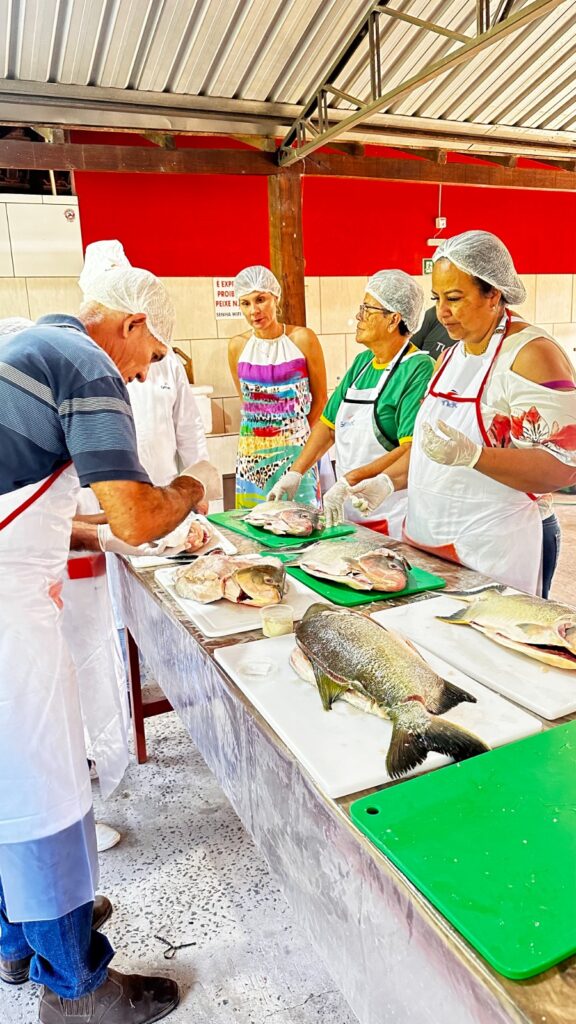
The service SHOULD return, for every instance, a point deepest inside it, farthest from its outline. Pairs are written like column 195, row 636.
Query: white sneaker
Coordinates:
column 106, row 837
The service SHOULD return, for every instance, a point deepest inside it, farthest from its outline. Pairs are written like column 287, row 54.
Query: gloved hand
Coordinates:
column 454, row 449
column 369, row 494
column 208, row 476
column 333, row 502
column 164, row 546
column 285, row 487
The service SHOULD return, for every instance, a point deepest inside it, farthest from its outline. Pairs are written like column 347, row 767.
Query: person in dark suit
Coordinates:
column 432, row 336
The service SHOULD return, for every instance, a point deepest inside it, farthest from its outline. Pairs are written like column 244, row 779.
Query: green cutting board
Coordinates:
column 418, row 581
column 235, row 521
column 492, row 843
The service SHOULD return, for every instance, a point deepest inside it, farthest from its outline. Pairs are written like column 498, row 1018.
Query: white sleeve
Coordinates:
column 545, row 418
column 188, row 427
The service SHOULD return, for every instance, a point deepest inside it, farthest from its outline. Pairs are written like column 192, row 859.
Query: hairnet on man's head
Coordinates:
column 109, row 279
column 256, row 279
column 484, row 255
column 13, row 324
column 398, row 293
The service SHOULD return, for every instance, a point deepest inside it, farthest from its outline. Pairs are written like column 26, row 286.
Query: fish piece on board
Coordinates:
column 542, row 630
column 357, row 565
column 285, row 518
column 242, row 579
column 347, row 650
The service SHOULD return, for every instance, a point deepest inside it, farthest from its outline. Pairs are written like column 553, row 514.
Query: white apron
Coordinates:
column 90, row 632
column 456, row 512
column 358, row 442
column 48, row 859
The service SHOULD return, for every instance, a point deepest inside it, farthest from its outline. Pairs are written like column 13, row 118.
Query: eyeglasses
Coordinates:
column 364, row 311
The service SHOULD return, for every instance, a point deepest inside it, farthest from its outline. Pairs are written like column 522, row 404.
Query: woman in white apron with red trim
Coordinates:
column 497, row 427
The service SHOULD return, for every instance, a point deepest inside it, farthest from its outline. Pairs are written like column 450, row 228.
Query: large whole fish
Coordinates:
column 285, row 518
column 243, row 579
column 543, row 630
column 357, row 565
column 348, row 651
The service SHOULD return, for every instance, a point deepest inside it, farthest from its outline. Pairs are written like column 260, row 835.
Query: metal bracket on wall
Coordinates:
column 314, row 128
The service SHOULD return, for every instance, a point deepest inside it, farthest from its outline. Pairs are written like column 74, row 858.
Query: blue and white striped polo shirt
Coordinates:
column 62, row 398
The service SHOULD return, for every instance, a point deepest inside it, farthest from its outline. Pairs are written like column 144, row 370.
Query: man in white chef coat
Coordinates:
column 65, row 420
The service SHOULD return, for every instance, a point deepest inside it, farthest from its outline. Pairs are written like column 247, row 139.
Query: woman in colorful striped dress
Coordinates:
column 280, row 377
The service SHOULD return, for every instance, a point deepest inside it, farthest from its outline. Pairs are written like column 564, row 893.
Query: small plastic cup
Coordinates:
column 277, row 619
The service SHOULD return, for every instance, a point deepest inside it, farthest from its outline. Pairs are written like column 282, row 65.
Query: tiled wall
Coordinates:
column 37, row 241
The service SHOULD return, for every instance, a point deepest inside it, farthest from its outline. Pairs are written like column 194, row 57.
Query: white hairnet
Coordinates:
column 256, row 279
column 484, row 255
column 13, row 324
column 110, row 279
column 398, row 293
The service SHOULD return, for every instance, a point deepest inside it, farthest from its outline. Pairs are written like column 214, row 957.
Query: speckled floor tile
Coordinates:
column 187, row 870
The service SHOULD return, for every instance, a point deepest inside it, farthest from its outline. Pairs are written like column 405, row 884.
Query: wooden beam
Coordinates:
column 342, row 166
column 133, row 159
column 286, row 245
column 22, row 155
column 436, row 156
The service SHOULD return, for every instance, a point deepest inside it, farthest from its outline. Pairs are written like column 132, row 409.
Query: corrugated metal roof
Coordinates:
column 250, row 65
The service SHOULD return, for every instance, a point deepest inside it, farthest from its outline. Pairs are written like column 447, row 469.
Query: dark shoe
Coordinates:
column 16, row 972
column 122, row 999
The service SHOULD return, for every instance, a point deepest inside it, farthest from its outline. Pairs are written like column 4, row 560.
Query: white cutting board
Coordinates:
column 345, row 749
column 222, row 618
column 550, row 692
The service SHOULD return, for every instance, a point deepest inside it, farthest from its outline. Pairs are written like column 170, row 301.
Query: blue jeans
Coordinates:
column 67, row 955
column 550, row 551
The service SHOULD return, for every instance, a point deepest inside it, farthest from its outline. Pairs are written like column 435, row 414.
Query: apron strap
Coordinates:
column 34, row 497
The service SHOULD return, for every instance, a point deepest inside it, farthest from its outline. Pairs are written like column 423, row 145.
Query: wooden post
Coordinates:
column 286, row 247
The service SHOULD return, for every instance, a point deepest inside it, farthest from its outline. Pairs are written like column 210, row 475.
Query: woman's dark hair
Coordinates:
column 485, row 287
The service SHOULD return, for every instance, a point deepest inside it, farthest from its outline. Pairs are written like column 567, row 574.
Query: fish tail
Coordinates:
column 409, row 749
column 472, row 592
column 445, row 696
column 460, row 617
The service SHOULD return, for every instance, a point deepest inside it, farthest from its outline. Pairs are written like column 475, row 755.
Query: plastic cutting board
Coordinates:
column 234, row 520
column 491, row 842
column 418, row 581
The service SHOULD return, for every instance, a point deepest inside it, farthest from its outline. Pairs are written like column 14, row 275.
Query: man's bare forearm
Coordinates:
column 380, row 465
column 138, row 512
column 84, row 536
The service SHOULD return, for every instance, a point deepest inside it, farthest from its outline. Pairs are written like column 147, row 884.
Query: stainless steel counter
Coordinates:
column 394, row 957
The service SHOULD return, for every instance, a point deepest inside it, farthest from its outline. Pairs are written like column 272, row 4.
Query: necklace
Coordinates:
column 497, row 330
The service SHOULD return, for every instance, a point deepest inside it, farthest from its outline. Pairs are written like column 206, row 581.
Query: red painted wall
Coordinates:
column 180, row 226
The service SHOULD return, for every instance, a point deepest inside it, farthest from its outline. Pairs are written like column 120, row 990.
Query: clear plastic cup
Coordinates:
column 277, row 619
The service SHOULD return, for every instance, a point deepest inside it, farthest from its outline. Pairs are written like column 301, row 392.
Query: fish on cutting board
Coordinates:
column 543, row 630
column 241, row 579
column 356, row 564
column 285, row 518
column 349, row 652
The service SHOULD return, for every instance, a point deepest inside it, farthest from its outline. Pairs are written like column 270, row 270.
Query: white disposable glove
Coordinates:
column 165, row 546
column 285, row 487
column 454, row 449
column 333, row 502
column 208, row 476
column 368, row 495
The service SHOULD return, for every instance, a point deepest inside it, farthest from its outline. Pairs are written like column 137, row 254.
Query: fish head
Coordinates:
column 298, row 522
column 257, row 585
column 566, row 629
column 385, row 569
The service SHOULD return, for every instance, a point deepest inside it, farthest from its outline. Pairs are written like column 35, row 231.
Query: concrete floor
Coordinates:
column 188, row 871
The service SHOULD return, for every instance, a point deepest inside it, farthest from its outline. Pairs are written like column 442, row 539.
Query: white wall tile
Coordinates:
column 231, row 409
column 44, row 240
column 53, row 295
column 222, row 452
column 217, row 416
column 228, row 328
column 6, row 265
column 352, row 349
column 210, row 362
column 565, row 335
column 553, row 298
column 528, row 308
column 13, row 297
column 193, row 299
column 334, row 348
column 340, row 298
column 313, row 320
